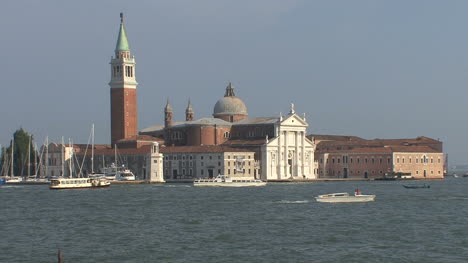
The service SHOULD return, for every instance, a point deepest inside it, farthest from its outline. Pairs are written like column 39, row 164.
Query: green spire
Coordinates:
column 122, row 41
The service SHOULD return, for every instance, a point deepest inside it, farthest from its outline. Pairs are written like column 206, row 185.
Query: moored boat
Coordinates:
column 77, row 183
column 118, row 173
column 345, row 198
column 14, row 179
column 226, row 181
column 416, row 186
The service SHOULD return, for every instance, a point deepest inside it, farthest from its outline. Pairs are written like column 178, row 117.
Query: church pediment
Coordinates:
column 294, row 120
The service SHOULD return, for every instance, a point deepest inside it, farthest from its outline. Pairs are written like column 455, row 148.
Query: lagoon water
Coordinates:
column 276, row 223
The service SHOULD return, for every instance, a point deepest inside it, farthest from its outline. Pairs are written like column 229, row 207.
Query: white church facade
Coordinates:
column 290, row 154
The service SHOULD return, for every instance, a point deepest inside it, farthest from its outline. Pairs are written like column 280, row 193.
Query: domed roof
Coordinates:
column 229, row 104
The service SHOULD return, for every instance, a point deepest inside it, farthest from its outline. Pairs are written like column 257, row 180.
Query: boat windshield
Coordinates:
column 54, row 182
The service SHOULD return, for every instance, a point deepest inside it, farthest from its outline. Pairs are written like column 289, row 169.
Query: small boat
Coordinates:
column 345, row 198
column 416, row 186
column 78, row 183
column 14, row 179
column 222, row 180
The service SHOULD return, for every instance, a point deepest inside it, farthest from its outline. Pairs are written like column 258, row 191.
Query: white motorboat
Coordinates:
column 118, row 173
column 222, row 180
column 77, row 183
column 14, row 179
column 345, row 198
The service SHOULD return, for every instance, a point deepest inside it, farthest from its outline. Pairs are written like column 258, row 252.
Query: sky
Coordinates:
column 373, row 69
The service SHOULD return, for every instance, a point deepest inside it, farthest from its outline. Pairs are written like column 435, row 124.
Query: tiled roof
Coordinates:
column 246, row 142
column 153, row 128
column 204, row 121
column 385, row 149
column 324, row 137
column 141, row 138
column 377, row 142
column 416, row 149
column 258, row 120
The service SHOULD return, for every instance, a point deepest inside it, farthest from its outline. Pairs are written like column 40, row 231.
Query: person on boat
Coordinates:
column 357, row 192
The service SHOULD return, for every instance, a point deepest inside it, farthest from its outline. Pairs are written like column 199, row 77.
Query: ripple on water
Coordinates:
column 276, row 223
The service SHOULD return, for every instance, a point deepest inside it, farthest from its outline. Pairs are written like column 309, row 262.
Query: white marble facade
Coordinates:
column 289, row 155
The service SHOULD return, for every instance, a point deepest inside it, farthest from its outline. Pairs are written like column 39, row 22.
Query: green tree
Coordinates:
column 22, row 147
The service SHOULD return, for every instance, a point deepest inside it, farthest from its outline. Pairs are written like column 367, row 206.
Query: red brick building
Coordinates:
column 354, row 157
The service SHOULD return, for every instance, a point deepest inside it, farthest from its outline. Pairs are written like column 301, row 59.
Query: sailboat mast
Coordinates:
column 63, row 157
column 35, row 160
column 12, row 151
column 3, row 160
column 29, row 157
column 115, row 158
column 47, row 157
column 70, row 161
column 92, row 149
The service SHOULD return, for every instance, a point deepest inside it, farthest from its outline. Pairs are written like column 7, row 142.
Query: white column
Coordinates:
column 285, row 154
column 278, row 163
column 296, row 154
column 304, row 161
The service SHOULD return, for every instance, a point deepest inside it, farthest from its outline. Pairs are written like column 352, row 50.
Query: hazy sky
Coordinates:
column 374, row 69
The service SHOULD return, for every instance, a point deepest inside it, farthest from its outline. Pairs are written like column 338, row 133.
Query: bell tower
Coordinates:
column 168, row 115
column 189, row 114
column 124, row 121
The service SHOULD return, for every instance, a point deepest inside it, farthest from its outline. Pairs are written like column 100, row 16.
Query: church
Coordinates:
column 231, row 142
column 268, row 148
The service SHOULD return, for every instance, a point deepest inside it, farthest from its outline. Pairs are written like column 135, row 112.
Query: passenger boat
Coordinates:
column 78, row 183
column 345, row 198
column 226, row 181
column 416, row 186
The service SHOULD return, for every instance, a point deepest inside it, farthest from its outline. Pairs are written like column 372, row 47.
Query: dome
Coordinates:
column 229, row 105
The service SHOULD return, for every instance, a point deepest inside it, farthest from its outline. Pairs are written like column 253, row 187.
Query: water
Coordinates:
column 276, row 223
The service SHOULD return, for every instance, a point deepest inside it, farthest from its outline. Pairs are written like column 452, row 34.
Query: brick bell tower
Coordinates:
column 124, row 121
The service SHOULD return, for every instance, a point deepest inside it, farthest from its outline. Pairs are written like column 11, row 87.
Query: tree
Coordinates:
column 23, row 142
